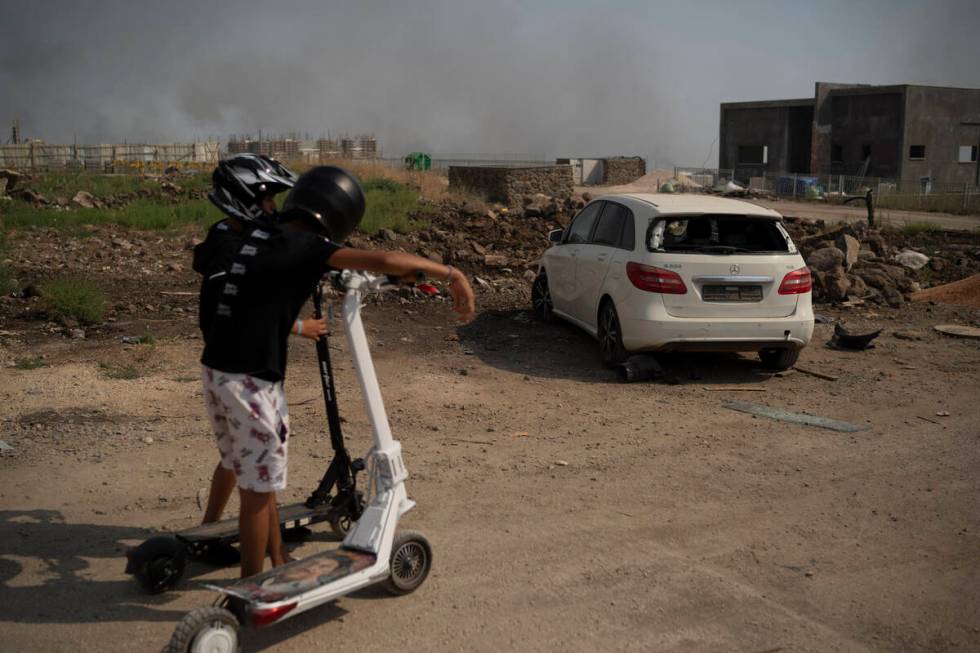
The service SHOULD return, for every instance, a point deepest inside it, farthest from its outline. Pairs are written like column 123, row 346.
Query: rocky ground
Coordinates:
column 567, row 510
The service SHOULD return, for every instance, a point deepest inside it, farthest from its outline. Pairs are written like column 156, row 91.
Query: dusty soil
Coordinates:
column 676, row 524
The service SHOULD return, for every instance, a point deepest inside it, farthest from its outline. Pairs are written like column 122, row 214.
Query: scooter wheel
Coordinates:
column 411, row 559
column 341, row 523
column 206, row 630
column 158, row 564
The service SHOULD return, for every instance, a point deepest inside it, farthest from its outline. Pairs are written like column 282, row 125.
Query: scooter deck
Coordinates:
column 295, row 514
column 298, row 577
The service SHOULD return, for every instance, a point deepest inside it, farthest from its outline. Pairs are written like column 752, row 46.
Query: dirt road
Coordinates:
column 811, row 210
column 675, row 524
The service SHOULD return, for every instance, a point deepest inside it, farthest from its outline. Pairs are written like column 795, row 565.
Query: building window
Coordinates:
column 968, row 154
column 836, row 153
column 917, row 151
column 753, row 154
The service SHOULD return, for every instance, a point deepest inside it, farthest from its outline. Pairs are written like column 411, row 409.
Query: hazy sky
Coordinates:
column 540, row 78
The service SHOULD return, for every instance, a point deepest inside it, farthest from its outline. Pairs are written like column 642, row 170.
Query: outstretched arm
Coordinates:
column 403, row 265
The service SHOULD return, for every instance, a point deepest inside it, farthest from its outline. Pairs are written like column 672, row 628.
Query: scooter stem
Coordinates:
column 364, row 366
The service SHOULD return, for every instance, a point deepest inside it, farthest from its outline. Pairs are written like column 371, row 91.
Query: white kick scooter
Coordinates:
column 371, row 552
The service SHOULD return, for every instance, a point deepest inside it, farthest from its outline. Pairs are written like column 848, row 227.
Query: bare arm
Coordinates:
column 400, row 264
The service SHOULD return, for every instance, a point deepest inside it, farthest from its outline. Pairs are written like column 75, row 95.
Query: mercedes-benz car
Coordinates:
column 660, row 272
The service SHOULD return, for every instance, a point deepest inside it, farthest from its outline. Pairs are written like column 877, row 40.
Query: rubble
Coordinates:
column 85, row 200
column 852, row 262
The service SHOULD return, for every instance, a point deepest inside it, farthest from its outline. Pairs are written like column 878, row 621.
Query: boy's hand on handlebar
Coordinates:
column 313, row 328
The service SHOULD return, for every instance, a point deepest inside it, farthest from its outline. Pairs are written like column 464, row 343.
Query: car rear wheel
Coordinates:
column 779, row 359
column 610, row 336
column 541, row 299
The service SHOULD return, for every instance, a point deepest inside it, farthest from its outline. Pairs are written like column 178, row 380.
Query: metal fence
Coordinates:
column 443, row 163
column 114, row 158
column 705, row 177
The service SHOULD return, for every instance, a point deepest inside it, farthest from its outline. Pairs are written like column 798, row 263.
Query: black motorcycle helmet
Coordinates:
column 329, row 196
column 243, row 180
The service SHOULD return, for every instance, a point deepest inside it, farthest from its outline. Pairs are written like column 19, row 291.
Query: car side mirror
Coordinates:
column 555, row 235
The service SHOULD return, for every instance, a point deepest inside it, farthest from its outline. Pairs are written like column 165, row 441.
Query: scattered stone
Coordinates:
column 850, row 246
column 561, row 463
column 77, row 334
column 907, row 335
column 825, row 259
column 147, row 440
column 495, row 260
column 387, row 235
column 892, row 297
column 30, row 196
column 85, row 200
column 174, row 267
column 10, row 178
column 912, row 259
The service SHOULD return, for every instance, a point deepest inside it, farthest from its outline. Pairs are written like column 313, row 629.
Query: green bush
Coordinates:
column 69, row 298
column 30, row 363
column 382, row 184
column 121, row 372
column 390, row 205
column 920, row 227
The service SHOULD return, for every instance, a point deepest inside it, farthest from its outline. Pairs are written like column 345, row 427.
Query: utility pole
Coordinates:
column 15, row 132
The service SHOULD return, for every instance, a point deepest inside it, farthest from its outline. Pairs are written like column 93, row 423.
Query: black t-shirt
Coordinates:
column 212, row 259
column 254, row 304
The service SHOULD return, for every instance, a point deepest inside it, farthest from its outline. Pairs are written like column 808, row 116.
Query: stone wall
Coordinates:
column 509, row 185
column 622, row 170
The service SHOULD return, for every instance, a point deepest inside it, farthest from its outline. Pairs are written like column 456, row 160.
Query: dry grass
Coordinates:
column 430, row 184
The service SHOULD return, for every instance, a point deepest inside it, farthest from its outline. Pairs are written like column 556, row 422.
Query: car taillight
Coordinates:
column 266, row 616
column 654, row 279
column 796, row 282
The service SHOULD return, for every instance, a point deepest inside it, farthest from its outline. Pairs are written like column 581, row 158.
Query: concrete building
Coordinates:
column 925, row 134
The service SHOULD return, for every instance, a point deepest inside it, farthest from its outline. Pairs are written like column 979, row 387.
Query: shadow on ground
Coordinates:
column 513, row 340
column 60, row 587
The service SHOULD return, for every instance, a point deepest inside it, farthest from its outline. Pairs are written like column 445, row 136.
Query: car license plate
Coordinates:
column 731, row 293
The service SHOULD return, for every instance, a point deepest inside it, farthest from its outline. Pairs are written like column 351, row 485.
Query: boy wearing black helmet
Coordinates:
column 267, row 282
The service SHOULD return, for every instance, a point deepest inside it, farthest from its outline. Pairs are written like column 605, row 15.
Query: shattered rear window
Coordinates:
column 718, row 234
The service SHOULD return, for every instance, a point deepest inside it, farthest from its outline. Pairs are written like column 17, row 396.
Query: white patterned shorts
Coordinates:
column 251, row 426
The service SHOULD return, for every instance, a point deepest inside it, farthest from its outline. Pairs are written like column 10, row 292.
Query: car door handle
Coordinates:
column 601, row 257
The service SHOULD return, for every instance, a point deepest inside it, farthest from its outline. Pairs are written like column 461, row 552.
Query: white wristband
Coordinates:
column 299, row 327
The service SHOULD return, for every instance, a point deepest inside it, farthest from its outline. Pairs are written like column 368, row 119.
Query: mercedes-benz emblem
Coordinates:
column 734, row 268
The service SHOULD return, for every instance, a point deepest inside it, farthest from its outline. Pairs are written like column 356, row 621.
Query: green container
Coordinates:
column 418, row 161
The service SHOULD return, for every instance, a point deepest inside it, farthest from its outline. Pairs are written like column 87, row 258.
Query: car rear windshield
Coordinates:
column 718, row 234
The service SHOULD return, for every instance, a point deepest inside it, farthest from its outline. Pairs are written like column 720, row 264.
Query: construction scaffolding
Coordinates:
column 362, row 146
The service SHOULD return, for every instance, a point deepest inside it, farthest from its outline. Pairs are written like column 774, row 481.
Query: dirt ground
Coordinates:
column 567, row 511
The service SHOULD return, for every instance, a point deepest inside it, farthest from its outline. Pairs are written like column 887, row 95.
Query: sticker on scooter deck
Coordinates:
column 296, row 514
column 297, row 577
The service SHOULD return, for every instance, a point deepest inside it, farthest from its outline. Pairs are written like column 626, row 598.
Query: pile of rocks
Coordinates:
column 853, row 263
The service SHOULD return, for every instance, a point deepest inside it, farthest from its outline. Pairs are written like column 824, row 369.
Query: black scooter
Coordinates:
column 158, row 563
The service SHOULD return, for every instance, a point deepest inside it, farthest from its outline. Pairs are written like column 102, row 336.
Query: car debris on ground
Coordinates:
column 796, row 418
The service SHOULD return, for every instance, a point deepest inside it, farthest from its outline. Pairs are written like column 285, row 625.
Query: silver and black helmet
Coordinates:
column 243, row 180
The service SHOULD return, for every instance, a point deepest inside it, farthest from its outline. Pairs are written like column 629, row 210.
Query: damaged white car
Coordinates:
column 644, row 272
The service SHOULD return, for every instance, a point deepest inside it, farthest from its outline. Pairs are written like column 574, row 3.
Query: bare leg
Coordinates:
column 253, row 529
column 222, row 485
column 277, row 553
